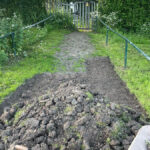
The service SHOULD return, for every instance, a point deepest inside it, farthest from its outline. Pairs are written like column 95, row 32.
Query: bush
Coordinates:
column 145, row 28
column 62, row 20
column 8, row 25
column 31, row 11
column 3, row 57
column 111, row 19
column 133, row 14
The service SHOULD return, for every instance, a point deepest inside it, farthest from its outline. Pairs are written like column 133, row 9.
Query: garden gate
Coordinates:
column 80, row 11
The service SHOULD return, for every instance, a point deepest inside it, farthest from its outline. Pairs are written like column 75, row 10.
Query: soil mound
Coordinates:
column 65, row 115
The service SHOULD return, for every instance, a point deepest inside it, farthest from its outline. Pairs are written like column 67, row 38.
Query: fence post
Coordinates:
column 125, row 56
column 107, row 36
column 96, row 24
column 13, row 43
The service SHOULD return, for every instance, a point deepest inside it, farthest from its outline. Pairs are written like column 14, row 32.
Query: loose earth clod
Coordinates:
column 66, row 119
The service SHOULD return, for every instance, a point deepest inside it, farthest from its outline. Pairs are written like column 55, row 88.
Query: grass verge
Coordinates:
column 40, row 44
column 137, row 74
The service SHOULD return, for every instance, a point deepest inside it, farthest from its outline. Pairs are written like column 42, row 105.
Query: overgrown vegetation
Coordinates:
column 8, row 25
column 133, row 14
column 30, row 11
column 137, row 74
column 62, row 20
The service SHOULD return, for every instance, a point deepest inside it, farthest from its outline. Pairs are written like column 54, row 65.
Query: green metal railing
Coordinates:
column 127, row 41
column 12, row 34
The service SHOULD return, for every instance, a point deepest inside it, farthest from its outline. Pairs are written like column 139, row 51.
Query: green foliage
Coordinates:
column 133, row 14
column 145, row 28
column 111, row 19
column 137, row 74
column 3, row 57
column 89, row 95
column 41, row 45
column 119, row 131
column 62, row 20
column 30, row 11
column 8, row 25
column 18, row 115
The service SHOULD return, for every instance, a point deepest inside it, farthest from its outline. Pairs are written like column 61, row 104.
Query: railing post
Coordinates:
column 13, row 43
column 96, row 26
column 107, row 36
column 125, row 56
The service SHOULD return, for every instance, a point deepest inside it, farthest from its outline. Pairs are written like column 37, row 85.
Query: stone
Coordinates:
column 112, row 106
column 32, row 122
column 2, row 147
column 114, row 143
column 1, row 127
column 50, row 126
column 74, row 102
column 125, row 142
column 44, row 146
column 39, row 139
column 46, row 97
column 66, row 125
column 20, row 104
column 80, row 99
column 7, row 132
column 81, row 120
column 5, row 116
column 52, row 134
column 48, row 103
column 25, row 95
column 36, row 147
column 86, row 145
column 12, row 111
column 87, row 109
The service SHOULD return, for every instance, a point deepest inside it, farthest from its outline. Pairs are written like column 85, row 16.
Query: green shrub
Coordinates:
column 8, row 25
column 3, row 57
column 145, row 28
column 133, row 14
column 31, row 11
column 62, row 20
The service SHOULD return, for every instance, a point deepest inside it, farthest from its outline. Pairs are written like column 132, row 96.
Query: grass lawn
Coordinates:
column 137, row 74
column 40, row 45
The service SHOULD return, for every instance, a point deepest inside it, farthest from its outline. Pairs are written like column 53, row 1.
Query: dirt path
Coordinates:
column 74, row 50
column 103, row 79
column 99, row 75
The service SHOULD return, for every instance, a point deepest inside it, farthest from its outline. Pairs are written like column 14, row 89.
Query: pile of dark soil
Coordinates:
column 66, row 115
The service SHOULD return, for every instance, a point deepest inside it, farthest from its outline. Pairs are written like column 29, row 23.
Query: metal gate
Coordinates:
column 81, row 12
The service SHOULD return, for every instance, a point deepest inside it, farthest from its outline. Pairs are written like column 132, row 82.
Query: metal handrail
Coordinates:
column 126, row 43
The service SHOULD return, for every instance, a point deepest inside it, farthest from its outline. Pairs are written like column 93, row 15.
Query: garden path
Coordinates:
column 97, row 73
